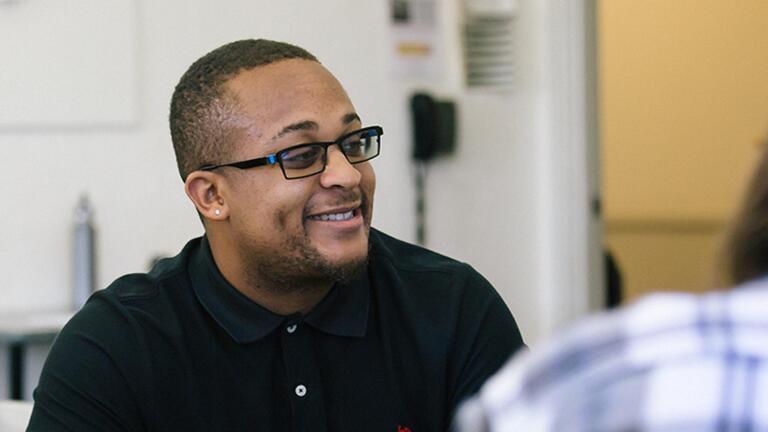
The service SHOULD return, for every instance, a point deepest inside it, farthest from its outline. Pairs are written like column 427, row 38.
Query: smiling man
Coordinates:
column 291, row 312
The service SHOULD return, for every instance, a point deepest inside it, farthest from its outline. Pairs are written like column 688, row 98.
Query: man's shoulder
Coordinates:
column 410, row 257
column 136, row 297
column 419, row 273
column 165, row 272
column 107, row 352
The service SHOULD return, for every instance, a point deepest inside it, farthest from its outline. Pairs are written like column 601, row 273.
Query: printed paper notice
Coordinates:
column 416, row 46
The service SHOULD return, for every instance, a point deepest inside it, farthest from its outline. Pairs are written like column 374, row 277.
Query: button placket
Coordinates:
column 303, row 385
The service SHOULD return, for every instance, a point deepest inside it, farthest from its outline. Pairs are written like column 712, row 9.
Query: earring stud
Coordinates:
column 217, row 212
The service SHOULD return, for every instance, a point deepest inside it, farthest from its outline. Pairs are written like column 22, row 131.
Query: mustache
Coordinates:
column 342, row 198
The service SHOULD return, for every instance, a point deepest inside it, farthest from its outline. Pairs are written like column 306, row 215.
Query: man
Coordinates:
column 291, row 313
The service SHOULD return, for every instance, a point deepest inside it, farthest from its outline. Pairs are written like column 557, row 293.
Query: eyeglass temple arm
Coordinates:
column 268, row 160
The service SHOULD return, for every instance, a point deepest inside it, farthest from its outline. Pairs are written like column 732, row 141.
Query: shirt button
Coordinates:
column 291, row 328
column 300, row 390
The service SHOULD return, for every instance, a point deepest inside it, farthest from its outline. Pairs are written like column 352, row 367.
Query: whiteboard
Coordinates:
column 68, row 63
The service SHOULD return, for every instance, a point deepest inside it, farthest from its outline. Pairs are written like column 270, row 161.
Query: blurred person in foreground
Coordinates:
column 291, row 312
column 670, row 362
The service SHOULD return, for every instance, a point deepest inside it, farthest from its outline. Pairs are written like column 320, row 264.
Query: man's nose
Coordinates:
column 338, row 171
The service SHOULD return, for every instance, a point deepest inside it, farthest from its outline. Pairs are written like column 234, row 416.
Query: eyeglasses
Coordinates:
column 304, row 160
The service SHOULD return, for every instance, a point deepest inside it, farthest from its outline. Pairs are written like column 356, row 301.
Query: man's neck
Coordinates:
column 259, row 290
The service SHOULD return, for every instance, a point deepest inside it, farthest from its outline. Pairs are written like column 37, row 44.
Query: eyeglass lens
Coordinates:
column 305, row 160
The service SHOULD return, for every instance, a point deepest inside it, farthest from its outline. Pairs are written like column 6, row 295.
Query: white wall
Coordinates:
column 130, row 172
column 492, row 204
column 516, row 199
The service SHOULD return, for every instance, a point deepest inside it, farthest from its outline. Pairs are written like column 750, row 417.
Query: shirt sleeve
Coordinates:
column 87, row 382
column 487, row 336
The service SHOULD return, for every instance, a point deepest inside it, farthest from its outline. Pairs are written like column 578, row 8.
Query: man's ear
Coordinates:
column 204, row 189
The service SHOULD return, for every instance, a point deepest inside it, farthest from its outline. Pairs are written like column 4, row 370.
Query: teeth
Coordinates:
column 334, row 216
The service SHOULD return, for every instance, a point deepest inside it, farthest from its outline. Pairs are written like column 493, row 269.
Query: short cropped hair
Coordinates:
column 202, row 117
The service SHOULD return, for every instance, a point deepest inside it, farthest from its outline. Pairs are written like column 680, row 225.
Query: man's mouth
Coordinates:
column 342, row 216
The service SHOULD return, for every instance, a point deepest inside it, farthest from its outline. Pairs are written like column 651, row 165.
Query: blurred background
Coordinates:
column 580, row 128
column 683, row 116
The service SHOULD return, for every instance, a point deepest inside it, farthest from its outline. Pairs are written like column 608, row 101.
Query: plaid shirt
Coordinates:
column 671, row 362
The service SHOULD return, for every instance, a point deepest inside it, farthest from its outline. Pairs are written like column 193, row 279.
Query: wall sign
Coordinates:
column 416, row 40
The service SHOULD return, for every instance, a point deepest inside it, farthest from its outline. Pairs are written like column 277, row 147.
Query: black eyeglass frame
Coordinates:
column 275, row 158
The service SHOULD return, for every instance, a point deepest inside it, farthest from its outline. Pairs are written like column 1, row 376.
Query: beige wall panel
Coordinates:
column 683, row 108
column 665, row 260
column 684, row 102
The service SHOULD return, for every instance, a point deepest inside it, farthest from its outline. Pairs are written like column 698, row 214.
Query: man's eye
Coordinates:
column 356, row 147
column 300, row 157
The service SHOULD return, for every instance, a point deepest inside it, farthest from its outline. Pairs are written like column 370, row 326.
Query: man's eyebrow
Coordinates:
column 294, row 127
column 349, row 118
column 311, row 125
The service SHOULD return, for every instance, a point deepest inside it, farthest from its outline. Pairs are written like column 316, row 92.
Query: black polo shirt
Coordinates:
column 180, row 349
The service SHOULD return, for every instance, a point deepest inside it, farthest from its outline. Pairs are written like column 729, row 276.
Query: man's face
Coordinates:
column 298, row 231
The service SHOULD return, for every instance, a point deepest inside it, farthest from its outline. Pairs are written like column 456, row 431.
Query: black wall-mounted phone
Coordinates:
column 434, row 134
column 434, row 127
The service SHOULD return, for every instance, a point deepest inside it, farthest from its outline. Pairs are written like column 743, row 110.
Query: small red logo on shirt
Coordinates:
column 403, row 429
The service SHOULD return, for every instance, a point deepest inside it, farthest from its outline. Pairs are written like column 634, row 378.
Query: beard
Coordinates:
column 298, row 266
column 303, row 270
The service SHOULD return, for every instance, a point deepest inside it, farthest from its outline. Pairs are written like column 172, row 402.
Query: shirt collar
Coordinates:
column 343, row 311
